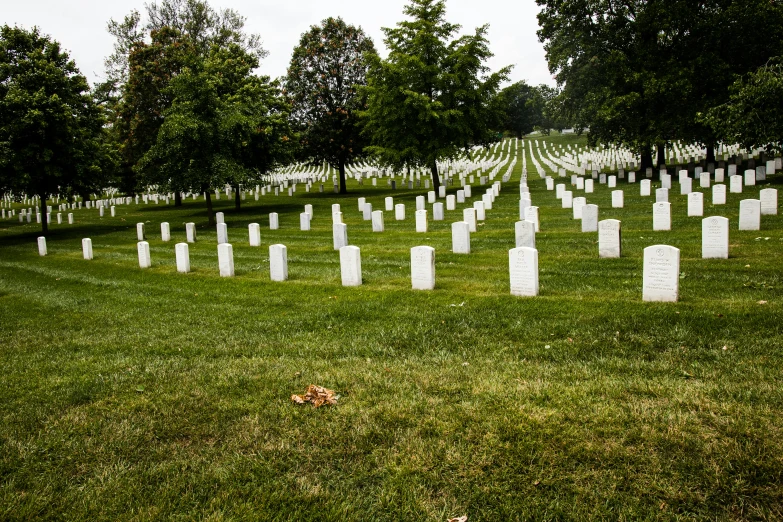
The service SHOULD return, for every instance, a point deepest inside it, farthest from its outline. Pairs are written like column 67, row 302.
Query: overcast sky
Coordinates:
column 80, row 27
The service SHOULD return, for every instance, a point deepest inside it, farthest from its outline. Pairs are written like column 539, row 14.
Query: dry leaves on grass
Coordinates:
column 317, row 396
column 463, row 518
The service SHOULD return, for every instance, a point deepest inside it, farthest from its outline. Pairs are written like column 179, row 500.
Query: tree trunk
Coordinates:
column 710, row 153
column 341, row 169
column 435, row 177
column 237, row 199
column 661, row 155
column 177, row 198
column 44, row 221
column 210, row 212
column 646, row 159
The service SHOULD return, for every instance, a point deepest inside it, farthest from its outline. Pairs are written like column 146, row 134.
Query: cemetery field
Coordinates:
column 146, row 394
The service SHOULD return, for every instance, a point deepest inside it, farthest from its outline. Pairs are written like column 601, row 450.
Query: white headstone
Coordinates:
column 618, row 199
column 278, row 262
column 304, row 221
column 480, row 213
column 567, row 199
column 309, row 210
column 525, row 232
column 451, row 202
column 460, row 196
column 140, row 231
column 377, row 221
column 769, row 201
column 588, row 186
column 190, row 232
column 182, row 253
column 254, row 234
column 144, row 254
column 420, row 203
column 719, row 174
column 750, row 214
column 274, row 223
column 421, row 220
column 666, row 180
column 87, row 248
column 661, row 195
column 399, row 211
column 704, row 180
column 42, row 246
column 750, row 177
column 590, row 218
column 222, row 233
column 715, row 237
column 460, row 237
column 70, row 218
column 577, row 206
column 339, row 235
column 523, row 271
column 226, row 259
column 351, row 265
column 661, row 273
column 423, row 268
column 735, row 184
column 469, row 217
column 531, row 214
column 431, row 197
column 644, row 187
column 662, row 216
column 389, row 203
column 487, row 200
column 719, row 194
column 696, row 204
column 165, row 232
column 609, row 238
column 612, row 181
column 367, row 212
column 219, row 217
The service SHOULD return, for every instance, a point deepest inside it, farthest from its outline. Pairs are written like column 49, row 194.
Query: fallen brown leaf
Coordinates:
column 463, row 518
column 317, row 396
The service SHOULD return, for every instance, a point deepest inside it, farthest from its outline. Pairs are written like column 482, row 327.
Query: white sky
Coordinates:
column 80, row 27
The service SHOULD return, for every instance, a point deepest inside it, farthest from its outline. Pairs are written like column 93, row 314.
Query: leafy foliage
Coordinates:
column 327, row 68
column 751, row 117
column 639, row 72
column 224, row 125
column 148, row 55
column 432, row 97
column 50, row 128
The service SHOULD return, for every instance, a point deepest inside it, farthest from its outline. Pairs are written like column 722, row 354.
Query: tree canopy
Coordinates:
column 327, row 69
column 224, row 126
column 432, row 98
column 50, row 128
column 639, row 72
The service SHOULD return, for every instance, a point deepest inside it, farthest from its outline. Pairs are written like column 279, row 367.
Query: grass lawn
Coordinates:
column 130, row 394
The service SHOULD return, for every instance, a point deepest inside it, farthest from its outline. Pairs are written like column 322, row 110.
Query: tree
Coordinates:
column 327, row 68
column 432, row 98
column 148, row 55
column 521, row 113
column 224, row 125
column 50, row 128
column 638, row 72
column 751, row 116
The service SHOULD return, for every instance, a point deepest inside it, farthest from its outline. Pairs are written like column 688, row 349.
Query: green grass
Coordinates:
column 132, row 394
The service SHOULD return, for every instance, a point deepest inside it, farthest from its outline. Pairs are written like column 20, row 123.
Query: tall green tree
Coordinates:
column 639, row 72
column 522, row 110
column 751, row 116
column 50, row 127
column 327, row 69
column 224, row 126
column 432, row 98
column 148, row 53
